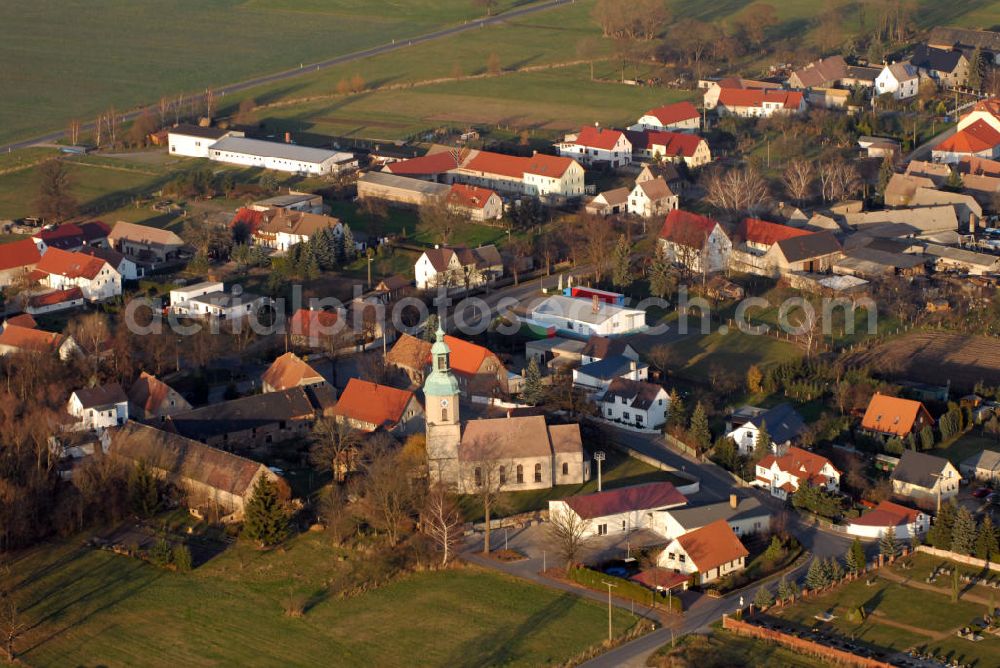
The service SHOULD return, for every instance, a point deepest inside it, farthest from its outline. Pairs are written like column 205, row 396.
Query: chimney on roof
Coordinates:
column 595, row 304
column 437, row 246
column 534, row 152
column 288, row 137
column 733, row 501
column 509, row 411
column 634, row 368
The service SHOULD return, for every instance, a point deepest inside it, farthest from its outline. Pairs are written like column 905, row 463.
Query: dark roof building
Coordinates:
column 651, row 496
column 248, row 421
column 919, row 468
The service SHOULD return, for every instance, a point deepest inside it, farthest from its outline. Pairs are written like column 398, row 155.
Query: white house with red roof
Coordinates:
column 680, row 117
column 707, row 554
column 597, row 145
column 368, row 406
column 754, row 239
column 759, row 103
column 479, row 204
column 17, row 259
column 96, row 279
column 696, row 242
column 976, row 136
column 904, row 522
column 684, row 147
column 783, row 475
column 619, row 511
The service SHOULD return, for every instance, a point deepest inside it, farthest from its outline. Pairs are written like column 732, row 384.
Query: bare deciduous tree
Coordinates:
column 597, row 237
column 390, row 497
column 439, row 219
column 441, row 521
column 798, row 179
column 838, row 179
column 55, row 201
column 335, row 447
column 569, row 533
column 485, row 475
column 738, row 191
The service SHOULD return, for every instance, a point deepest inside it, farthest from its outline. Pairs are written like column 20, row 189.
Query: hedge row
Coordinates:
column 627, row 589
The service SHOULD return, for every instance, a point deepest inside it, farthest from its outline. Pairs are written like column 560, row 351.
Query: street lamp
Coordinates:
column 609, row 585
column 599, row 457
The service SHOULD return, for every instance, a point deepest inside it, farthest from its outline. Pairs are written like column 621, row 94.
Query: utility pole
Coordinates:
column 599, row 457
column 609, row 585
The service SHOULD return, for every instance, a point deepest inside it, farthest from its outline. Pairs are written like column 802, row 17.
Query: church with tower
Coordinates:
column 522, row 453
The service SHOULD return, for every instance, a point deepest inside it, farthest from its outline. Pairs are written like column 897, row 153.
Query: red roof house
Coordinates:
column 16, row 258
column 368, row 406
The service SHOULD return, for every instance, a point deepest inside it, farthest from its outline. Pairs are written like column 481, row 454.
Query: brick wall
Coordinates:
column 960, row 558
column 800, row 645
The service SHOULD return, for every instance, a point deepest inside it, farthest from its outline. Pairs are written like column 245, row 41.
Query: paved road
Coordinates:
column 316, row 67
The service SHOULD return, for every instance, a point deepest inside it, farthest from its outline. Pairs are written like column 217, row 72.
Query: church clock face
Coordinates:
column 444, row 403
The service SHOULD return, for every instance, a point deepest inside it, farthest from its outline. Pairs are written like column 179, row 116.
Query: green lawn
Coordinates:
column 64, row 59
column 618, row 470
column 733, row 352
column 966, row 445
column 931, row 616
column 86, row 607
column 722, row 649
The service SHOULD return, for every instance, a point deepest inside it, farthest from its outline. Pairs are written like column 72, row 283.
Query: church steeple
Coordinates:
column 441, row 389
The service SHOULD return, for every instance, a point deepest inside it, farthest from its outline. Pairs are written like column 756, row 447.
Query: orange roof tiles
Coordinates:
column 893, row 415
column 71, row 265
column 686, row 228
column 26, row 338
column 670, row 114
column 674, row 143
column 55, row 297
column 289, row 371
column 712, row 545
column 313, row 324
column 762, row 232
column 978, row 137
column 369, row 402
column 598, row 137
column 471, row 197
column 888, row 514
column 148, row 393
column 22, row 320
column 432, row 163
column 803, row 464
column 515, row 167
column 20, row 253
column 466, row 357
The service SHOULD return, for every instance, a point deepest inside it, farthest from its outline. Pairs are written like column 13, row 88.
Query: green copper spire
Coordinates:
column 441, row 382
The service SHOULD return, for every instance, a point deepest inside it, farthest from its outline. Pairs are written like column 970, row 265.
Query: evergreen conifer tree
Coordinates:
column 887, row 542
column 534, row 391
column 986, row 540
column 701, row 435
column 963, row 533
column 265, row 521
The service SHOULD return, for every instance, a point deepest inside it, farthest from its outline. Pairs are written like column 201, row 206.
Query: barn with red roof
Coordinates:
column 679, row 116
column 594, row 145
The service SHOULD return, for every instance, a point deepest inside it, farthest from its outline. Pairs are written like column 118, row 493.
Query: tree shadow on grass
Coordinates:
column 501, row 646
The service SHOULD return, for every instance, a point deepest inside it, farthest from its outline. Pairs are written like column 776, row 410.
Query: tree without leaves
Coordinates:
column 621, row 276
column 11, row 625
column 755, row 20
column 246, row 114
column 741, row 190
column 442, row 522
column 798, row 179
column 568, row 533
column 334, row 448
column 439, row 220
column 489, row 6
column 597, row 240
column 55, row 201
column 390, row 498
column 838, row 180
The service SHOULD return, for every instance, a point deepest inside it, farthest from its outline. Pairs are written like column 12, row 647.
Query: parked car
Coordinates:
column 981, row 492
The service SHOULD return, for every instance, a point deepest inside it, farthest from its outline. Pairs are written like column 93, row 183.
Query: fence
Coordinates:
column 800, row 645
column 960, row 558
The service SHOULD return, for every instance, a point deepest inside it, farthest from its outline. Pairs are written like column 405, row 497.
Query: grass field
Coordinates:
column 87, row 607
column 52, row 69
column 965, row 446
column 898, row 618
column 733, row 352
column 722, row 649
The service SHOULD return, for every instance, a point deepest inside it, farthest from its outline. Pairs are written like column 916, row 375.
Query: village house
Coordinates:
column 593, row 146
column 634, row 403
column 976, row 140
column 879, row 147
column 210, row 299
column 479, row 371
column 478, row 204
column 752, row 241
column 978, row 166
column 17, row 260
column 904, row 522
column 555, row 353
column 782, row 422
column 293, row 201
column 782, row 475
column 458, row 267
column 617, row 511
column 599, row 348
column 707, row 554
column 96, row 279
column 281, row 229
column 894, row 416
column 214, row 483
column 924, row 480
column 145, row 244
column 670, row 147
column 933, row 223
column 288, row 371
column 651, row 198
column 609, row 203
column 514, row 453
column 56, row 300
column 816, row 253
column 902, row 80
column 98, row 407
column 759, row 103
column 596, row 377
column 18, row 339
column 983, row 466
column 668, row 171
column 150, row 399
column 368, row 407
column 902, row 187
column 823, row 73
column 967, row 40
column 746, row 516
column 127, row 268
column 72, row 236
column 696, row 242
column 973, row 263
column 281, row 156
column 677, row 117
column 934, row 171
column 193, row 141
column 585, row 317
column 248, row 423
column 946, row 67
